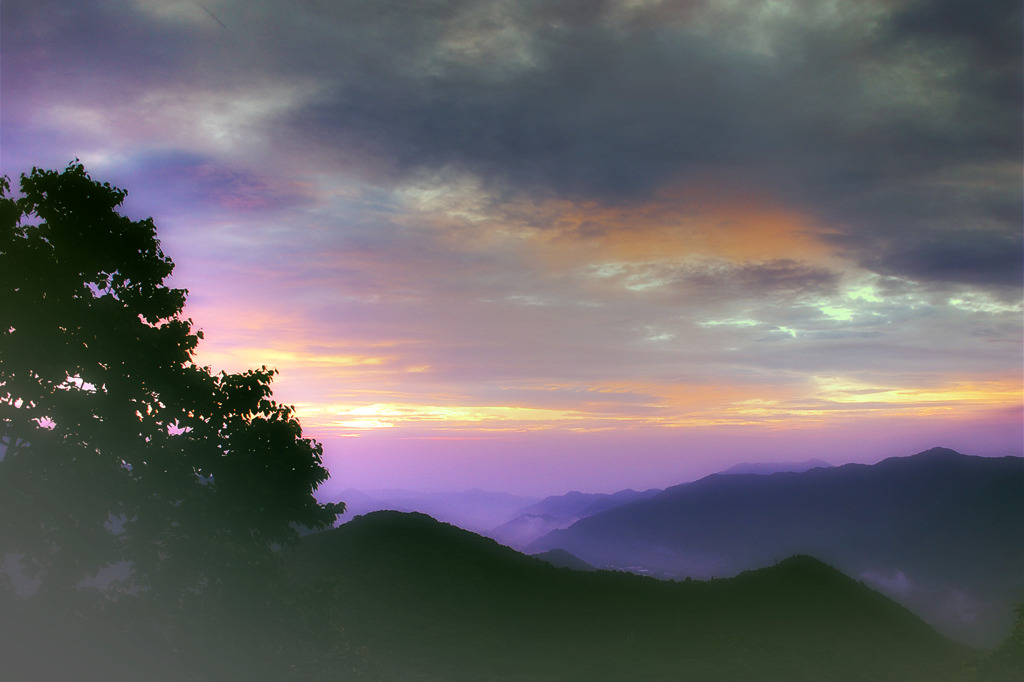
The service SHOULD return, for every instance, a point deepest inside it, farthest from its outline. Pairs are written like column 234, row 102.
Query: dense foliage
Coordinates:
column 125, row 465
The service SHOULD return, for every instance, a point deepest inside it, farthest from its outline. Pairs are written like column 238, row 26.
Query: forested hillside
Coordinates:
column 420, row 597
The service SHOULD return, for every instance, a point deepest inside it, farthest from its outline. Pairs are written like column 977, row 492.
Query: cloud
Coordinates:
column 984, row 31
column 652, row 213
column 965, row 256
column 188, row 181
column 865, row 123
column 849, row 110
column 762, row 281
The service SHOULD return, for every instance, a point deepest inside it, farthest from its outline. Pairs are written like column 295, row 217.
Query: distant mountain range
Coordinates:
column 513, row 520
column 940, row 531
column 766, row 468
column 475, row 510
column 418, row 599
column 516, row 520
column 559, row 511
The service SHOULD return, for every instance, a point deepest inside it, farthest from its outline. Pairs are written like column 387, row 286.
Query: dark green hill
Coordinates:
column 562, row 559
column 425, row 600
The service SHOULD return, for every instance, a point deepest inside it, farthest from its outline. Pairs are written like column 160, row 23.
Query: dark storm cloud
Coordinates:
column 964, row 257
column 872, row 119
column 965, row 228
column 852, row 122
column 88, row 44
column 593, row 110
column 990, row 30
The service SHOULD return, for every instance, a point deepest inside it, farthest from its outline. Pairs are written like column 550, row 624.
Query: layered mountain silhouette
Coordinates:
column 764, row 468
column 476, row 510
column 426, row 600
column 517, row 520
column 941, row 531
column 560, row 511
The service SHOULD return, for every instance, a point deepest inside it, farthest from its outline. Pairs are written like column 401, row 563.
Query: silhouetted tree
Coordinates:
column 118, row 451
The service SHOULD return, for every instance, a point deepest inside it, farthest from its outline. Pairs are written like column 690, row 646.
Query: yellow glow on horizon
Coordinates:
column 244, row 357
column 386, row 415
column 830, row 400
column 991, row 393
column 367, row 423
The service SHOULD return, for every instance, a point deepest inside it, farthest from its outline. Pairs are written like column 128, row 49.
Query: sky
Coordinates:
column 534, row 246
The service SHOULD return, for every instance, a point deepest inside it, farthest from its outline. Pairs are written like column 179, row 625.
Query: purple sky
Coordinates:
column 535, row 246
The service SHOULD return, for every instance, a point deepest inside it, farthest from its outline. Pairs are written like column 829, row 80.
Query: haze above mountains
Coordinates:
column 517, row 520
column 940, row 532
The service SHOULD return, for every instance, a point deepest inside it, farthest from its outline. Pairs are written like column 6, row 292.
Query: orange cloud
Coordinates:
column 683, row 224
column 679, row 223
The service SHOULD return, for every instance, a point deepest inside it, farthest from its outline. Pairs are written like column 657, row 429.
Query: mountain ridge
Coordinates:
column 430, row 599
column 474, row 509
column 768, row 468
column 949, row 523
